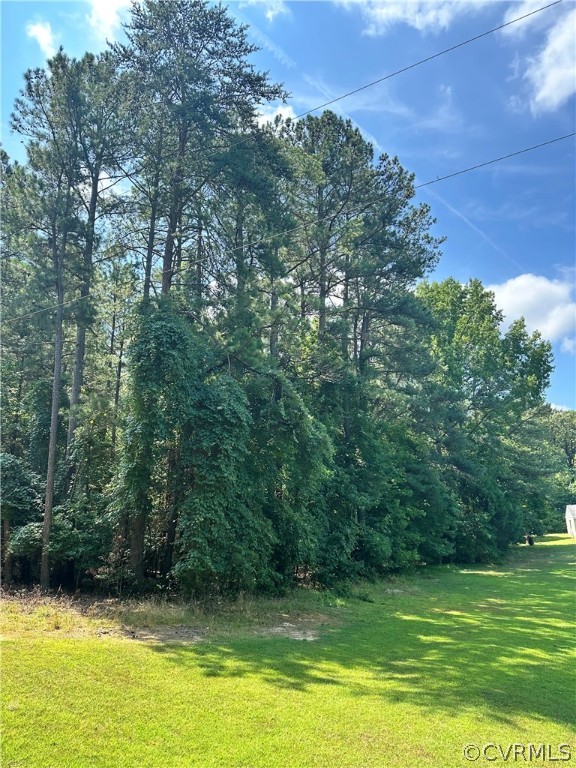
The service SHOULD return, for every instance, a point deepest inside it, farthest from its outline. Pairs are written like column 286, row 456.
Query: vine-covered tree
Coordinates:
column 222, row 369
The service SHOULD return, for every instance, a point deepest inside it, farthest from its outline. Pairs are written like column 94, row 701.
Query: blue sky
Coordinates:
column 511, row 224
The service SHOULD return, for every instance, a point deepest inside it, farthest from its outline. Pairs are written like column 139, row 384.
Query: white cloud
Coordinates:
column 267, row 114
column 557, row 407
column 105, row 17
column 423, row 15
column 41, row 31
column 551, row 73
column 548, row 72
column 546, row 305
column 272, row 8
column 536, row 20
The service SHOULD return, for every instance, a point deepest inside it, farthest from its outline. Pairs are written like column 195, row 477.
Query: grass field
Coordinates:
column 404, row 673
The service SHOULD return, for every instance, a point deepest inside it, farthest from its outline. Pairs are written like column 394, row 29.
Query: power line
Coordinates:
column 340, row 98
column 428, row 58
column 317, row 221
column 402, row 70
column 44, row 309
column 495, row 160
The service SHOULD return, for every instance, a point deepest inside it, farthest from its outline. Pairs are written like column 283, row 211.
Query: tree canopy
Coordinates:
column 226, row 368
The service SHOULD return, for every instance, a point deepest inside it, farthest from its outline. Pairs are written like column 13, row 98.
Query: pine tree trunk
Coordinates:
column 56, row 385
column 150, row 242
column 152, row 224
column 80, row 349
column 323, row 252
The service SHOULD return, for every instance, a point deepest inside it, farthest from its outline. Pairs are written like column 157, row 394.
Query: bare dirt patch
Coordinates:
column 166, row 634
column 30, row 613
column 307, row 627
column 286, row 629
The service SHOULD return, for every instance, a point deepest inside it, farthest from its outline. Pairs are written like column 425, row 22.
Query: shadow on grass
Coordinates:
column 497, row 640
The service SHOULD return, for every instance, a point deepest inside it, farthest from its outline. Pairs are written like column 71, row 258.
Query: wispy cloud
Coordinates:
column 41, row 31
column 548, row 70
column 266, row 42
column 325, row 93
column 546, row 67
column 473, row 227
column 378, row 99
column 546, row 305
column 272, row 8
column 551, row 73
column 521, row 211
column 424, row 15
column 446, row 117
column 105, row 17
column 535, row 22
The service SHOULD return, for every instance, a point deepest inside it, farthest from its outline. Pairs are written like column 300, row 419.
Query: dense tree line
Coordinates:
column 223, row 367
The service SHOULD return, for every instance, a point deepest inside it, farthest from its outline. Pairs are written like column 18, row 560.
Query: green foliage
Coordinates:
column 21, row 499
column 289, row 456
column 224, row 539
column 26, row 541
column 256, row 392
column 492, row 459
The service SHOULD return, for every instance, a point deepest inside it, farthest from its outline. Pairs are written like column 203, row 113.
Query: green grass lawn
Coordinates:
column 404, row 673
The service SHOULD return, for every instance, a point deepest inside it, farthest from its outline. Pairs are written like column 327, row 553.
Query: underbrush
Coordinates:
column 28, row 611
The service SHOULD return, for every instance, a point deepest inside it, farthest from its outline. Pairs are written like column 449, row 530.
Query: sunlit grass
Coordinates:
column 405, row 675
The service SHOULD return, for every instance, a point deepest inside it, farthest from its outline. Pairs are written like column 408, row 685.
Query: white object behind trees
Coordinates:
column 571, row 519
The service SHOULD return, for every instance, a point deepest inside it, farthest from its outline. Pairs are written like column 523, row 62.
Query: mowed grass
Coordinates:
column 403, row 673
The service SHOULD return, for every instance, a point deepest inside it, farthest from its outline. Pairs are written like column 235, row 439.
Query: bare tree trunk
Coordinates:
column 322, row 277
column 322, row 295
column 239, row 257
column 364, row 341
column 151, row 237
column 77, row 377
column 56, row 385
column 346, row 410
column 174, row 216
column 154, row 201
column 199, row 265
column 80, row 351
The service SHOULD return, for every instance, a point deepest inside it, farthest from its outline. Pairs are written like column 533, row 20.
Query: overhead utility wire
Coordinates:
column 415, row 64
column 495, row 160
column 428, row 58
column 362, row 88
column 403, row 69
column 317, row 221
